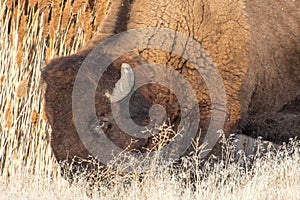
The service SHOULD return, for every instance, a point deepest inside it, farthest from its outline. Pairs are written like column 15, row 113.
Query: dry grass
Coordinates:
column 28, row 169
column 63, row 21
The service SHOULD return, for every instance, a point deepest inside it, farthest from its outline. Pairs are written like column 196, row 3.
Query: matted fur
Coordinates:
column 254, row 44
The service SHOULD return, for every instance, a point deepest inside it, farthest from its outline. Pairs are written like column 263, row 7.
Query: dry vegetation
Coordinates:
column 28, row 170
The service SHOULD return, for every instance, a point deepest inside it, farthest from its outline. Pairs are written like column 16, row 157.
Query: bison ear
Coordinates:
column 124, row 86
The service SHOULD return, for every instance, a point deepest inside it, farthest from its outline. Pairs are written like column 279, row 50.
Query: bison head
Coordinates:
column 97, row 103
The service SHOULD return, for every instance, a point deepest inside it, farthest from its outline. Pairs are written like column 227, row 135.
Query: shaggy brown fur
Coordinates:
column 270, row 96
column 254, row 43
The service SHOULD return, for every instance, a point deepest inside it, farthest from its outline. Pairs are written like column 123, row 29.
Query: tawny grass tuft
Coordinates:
column 35, row 116
column 22, row 88
column 8, row 115
column 2, row 77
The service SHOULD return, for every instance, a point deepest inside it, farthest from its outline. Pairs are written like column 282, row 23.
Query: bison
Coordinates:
column 255, row 45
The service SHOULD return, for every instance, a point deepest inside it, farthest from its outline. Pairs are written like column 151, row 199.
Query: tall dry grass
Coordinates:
column 28, row 169
column 27, row 41
column 62, row 21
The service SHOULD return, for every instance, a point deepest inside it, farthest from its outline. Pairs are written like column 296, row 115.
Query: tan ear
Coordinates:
column 124, row 86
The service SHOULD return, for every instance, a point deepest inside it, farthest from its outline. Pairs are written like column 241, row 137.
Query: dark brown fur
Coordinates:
column 271, row 91
column 255, row 48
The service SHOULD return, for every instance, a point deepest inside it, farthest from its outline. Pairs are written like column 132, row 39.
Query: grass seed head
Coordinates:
column 22, row 88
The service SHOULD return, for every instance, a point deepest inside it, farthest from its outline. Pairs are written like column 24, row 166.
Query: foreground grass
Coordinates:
column 270, row 178
column 28, row 169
